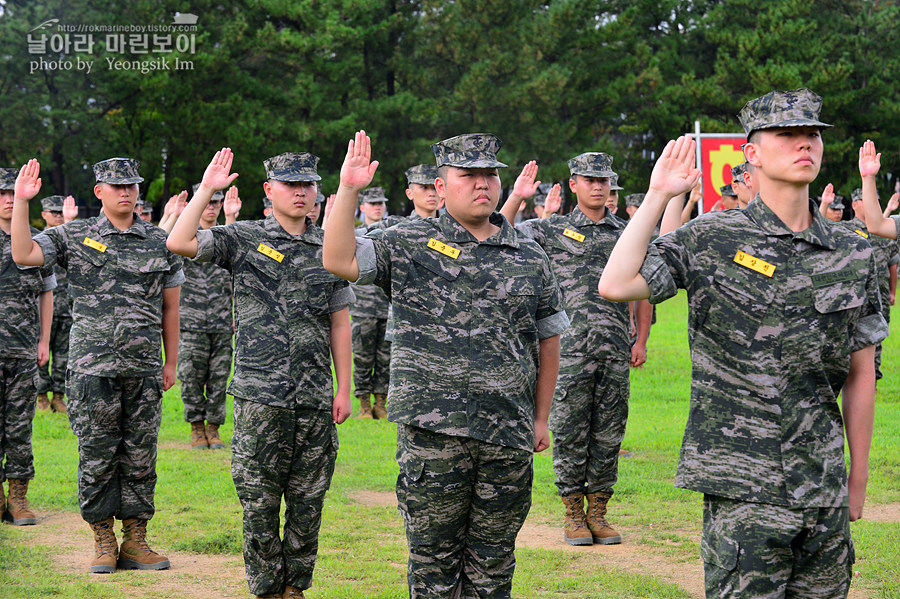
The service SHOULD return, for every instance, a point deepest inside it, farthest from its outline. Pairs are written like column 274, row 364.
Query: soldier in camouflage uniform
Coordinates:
column 729, row 197
column 317, row 207
column 204, row 345
column 291, row 318
column 783, row 315
column 479, row 303
column 371, row 351
column 267, row 207
column 739, row 185
column 632, row 203
column 832, row 206
column 124, row 286
column 590, row 407
column 612, row 200
column 51, row 211
column 26, row 303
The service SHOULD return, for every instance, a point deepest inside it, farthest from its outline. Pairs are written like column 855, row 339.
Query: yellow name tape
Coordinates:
column 443, row 248
column 760, row 266
column 863, row 234
column 91, row 243
column 573, row 235
column 271, row 253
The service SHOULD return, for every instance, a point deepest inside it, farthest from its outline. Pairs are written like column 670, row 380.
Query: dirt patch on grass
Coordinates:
column 886, row 512
column 191, row 576
column 375, row 498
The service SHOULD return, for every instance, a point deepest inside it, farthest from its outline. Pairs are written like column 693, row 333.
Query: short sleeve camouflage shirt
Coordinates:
column 205, row 298
column 116, row 282
column 473, row 310
column 773, row 318
column 283, row 301
column 19, row 290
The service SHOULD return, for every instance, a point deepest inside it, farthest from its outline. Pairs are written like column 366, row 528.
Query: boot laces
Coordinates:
column 106, row 539
column 139, row 538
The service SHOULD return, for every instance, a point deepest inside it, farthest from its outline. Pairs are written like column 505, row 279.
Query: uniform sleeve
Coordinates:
column 53, row 244
column 528, row 229
column 894, row 257
column 871, row 328
column 341, row 297
column 667, row 266
column 48, row 279
column 896, row 220
column 217, row 245
column 176, row 273
column 551, row 317
column 373, row 256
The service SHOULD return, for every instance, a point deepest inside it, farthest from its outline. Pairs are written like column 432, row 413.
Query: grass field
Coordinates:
column 362, row 544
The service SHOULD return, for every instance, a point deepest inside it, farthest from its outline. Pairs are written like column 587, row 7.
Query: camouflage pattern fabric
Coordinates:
column 856, row 195
column 53, row 203
column 55, row 381
column 540, row 194
column 423, row 174
column 463, row 502
column 590, row 406
column 292, row 166
column 371, row 301
column 770, row 552
column 391, row 220
column 372, row 195
column 118, row 171
column 488, row 306
column 205, row 301
column 217, row 196
column 634, row 199
column 887, row 254
column 592, row 164
column 838, row 202
column 726, row 190
column 371, row 356
column 204, row 363
column 116, row 421
column 588, row 417
column 472, row 150
column 16, row 415
column 614, row 183
column 116, row 294
column 8, row 178
column 281, row 452
column 20, row 289
column 737, row 172
column 792, row 108
column 770, row 353
column 283, row 300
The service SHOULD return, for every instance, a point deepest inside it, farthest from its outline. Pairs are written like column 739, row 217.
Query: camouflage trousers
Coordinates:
column 281, row 452
column 116, row 421
column 769, row 551
column 371, row 356
column 16, row 415
column 55, row 382
column 587, row 418
column 463, row 502
column 886, row 312
column 204, row 363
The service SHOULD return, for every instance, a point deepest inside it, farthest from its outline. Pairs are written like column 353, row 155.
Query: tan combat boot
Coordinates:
column 292, row 593
column 57, row 404
column 379, row 411
column 106, row 550
column 365, row 408
column 135, row 554
column 602, row 532
column 17, row 511
column 43, row 402
column 198, row 436
column 212, row 436
column 576, row 531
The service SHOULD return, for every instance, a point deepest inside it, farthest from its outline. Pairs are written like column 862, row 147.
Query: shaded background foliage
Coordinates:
column 552, row 79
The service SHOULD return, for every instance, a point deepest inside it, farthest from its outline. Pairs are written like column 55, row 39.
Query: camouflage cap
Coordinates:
column 837, row 203
column 8, row 178
column 372, row 195
column 320, row 197
column 592, row 164
column 292, row 166
column 217, row 196
column 737, row 172
column 139, row 202
column 726, row 190
column 614, row 183
column 118, row 171
column 53, row 203
column 267, row 203
column 472, row 150
column 147, row 209
column 856, row 195
column 793, row 108
column 634, row 199
column 423, row 174
column 540, row 195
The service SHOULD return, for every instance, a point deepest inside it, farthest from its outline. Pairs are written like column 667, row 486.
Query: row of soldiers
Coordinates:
column 523, row 341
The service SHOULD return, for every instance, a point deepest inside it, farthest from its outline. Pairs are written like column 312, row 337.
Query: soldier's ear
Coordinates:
column 267, row 188
column 440, row 187
column 751, row 153
column 572, row 184
column 98, row 191
column 408, row 194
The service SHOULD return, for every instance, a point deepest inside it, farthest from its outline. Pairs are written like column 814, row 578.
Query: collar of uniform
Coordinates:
column 313, row 234
column 580, row 219
column 858, row 224
column 138, row 227
column 818, row 232
column 453, row 231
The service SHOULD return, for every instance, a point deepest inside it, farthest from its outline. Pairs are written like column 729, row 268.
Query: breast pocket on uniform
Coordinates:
column 522, row 296
column 738, row 305
column 430, row 284
column 261, row 273
column 318, row 291
column 149, row 269
column 836, row 304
